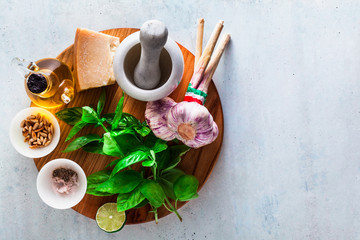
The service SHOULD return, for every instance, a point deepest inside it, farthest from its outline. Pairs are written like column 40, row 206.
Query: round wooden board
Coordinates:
column 198, row 162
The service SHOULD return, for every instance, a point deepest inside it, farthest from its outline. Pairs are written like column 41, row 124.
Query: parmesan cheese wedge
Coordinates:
column 94, row 53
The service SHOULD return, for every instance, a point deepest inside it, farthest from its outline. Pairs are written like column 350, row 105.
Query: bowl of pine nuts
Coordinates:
column 34, row 132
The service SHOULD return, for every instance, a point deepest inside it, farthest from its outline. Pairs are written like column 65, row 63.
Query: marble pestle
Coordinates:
column 153, row 36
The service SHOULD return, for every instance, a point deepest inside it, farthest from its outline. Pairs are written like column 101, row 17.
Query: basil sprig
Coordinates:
column 132, row 142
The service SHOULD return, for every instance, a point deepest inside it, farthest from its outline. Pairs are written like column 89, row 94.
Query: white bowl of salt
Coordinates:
column 61, row 183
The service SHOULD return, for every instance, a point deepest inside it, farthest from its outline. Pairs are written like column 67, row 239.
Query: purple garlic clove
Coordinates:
column 155, row 115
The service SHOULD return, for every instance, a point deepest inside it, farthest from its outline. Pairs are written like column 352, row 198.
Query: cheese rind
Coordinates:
column 94, row 53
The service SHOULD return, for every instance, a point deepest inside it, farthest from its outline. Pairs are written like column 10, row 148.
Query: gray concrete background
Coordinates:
column 289, row 85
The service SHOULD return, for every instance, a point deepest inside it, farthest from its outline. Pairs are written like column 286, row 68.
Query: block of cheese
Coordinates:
column 94, row 53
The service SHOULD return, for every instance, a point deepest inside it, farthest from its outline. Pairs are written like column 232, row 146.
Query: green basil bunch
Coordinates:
column 132, row 142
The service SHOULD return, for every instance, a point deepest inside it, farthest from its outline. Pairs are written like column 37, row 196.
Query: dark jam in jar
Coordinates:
column 36, row 83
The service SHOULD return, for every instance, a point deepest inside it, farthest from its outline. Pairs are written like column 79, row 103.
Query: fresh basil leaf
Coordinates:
column 101, row 102
column 176, row 152
column 118, row 113
column 163, row 158
column 75, row 129
column 94, row 147
column 98, row 124
column 89, row 115
column 126, row 142
column 122, row 182
column 116, row 133
column 126, row 201
column 142, row 130
column 153, row 192
column 148, row 163
column 109, row 117
column 168, row 188
column 70, row 115
column 159, row 146
column 140, row 148
column 97, row 178
column 129, row 160
column 128, row 120
column 172, row 175
column 111, row 147
column 150, row 140
column 152, row 154
column 92, row 191
column 143, row 203
column 185, row 187
column 82, row 141
column 113, row 163
column 179, row 150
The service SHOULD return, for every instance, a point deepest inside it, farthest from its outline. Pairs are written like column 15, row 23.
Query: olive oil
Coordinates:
column 49, row 83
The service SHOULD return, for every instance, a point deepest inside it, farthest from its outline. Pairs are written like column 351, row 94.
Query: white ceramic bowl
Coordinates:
column 17, row 139
column 46, row 192
column 126, row 58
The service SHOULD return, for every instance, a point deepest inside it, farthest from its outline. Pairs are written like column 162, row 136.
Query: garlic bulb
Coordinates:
column 192, row 124
column 155, row 115
column 189, row 121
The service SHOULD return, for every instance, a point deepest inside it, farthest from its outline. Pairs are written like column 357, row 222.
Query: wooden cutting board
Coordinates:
column 198, row 162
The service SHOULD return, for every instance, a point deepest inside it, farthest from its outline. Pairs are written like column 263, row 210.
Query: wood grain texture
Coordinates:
column 199, row 162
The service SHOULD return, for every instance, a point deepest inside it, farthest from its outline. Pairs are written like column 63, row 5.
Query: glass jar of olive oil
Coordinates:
column 48, row 82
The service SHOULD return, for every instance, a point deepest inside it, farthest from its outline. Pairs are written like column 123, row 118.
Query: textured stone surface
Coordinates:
column 290, row 89
column 153, row 36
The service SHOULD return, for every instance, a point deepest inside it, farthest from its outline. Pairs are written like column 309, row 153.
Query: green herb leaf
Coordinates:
column 160, row 145
column 127, row 142
column 101, row 102
column 94, row 147
column 97, row 178
column 172, row 175
column 92, row 191
column 148, row 163
column 176, row 152
column 89, row 115
column 163, row 158
column 143, row 203
column 151, row 162
column 82, row 141
column 153, row 192
column 116, row 133
column 142, row 130
column 150, row 140
column 126, row 201
column 70, row 115
column 168, row 188
column 128, row 120
column 109, row 117
column 152, row 155
column 100, row 122
column 75, row 129
column 118, row 113
column 110, row 146
column 185, row 188
column 122, row 182
column 129, row 160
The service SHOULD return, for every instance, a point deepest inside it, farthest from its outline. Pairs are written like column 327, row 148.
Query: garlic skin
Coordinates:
column 192, row 124
column 156, row 117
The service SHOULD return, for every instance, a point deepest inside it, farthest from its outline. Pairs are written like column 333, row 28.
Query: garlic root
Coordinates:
column 205, row 57
column 214, row 61
column 199, row 40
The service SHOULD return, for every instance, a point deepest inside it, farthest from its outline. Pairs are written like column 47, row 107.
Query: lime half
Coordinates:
column 109, row 219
